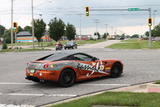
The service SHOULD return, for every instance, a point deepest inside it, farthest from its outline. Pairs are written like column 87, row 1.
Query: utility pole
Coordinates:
column 154, row 17
column 80, row 31
column 106, row 28
column 96, row 21
column 11, row 23
column 32, row 23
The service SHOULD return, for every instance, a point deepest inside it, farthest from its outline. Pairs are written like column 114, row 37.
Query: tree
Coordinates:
column 98, row 34
column 28, row 28
column 39, row 29
column 135, row 36
column 7, row 36
column 155, row 32
column 2, row 30
column 70, row 31
column 147, row 33
column 20, row 29
column 105, row 35
column 56, row 29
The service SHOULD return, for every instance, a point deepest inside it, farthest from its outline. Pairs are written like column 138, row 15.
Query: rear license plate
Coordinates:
column 31, row 74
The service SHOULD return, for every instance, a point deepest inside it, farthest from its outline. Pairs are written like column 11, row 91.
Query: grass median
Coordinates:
column 52, row 43
column 116, row 99
column 22, row 50
column 134, row 44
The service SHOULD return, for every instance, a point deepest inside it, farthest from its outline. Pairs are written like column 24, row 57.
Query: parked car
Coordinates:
column 66, row 68
column 71, row 45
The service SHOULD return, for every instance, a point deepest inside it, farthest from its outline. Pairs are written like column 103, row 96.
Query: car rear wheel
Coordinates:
column 67, row 78
column 116, row 70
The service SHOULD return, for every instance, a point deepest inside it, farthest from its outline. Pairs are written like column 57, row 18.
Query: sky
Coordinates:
column 73, row 12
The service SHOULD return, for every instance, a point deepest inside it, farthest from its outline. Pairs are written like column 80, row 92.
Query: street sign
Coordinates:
column 133, row 9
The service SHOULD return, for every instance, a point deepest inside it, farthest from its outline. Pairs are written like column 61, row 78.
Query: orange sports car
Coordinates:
column 66, row 68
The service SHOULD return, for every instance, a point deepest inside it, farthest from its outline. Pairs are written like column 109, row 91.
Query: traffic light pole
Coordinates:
column 11, row 23
column 132, row 9
column 150, row 34
column 32, row 23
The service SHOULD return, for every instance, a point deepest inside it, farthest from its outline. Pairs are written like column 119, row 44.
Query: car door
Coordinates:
column 87, row 66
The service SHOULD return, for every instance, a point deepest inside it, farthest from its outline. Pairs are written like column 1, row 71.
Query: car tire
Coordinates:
column 116, row 70
column 67, row 78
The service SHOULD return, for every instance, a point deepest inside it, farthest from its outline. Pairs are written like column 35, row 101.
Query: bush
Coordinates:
column 4, row 46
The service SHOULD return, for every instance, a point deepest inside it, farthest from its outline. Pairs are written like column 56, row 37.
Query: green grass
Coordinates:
column 116, row 99
column 157, row 82
column 46, row 44
column 52, row 44
column 22, row 50
column 134, row 44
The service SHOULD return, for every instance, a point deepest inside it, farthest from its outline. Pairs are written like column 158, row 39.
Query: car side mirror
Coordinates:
column 94, row 59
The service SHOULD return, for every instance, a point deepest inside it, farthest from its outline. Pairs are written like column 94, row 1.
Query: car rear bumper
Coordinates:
column 42, row 75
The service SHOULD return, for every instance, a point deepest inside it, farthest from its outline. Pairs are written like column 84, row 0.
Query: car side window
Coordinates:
column 82, row 57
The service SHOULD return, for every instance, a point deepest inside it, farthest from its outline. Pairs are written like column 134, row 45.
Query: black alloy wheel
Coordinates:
column 116, row 70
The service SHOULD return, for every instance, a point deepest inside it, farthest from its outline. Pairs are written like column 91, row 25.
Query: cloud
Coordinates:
column 69, row 10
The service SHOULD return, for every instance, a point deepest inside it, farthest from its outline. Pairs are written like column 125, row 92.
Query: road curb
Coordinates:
column 142, row 87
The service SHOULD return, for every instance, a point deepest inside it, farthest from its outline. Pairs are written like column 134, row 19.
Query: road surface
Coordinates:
column 139, row 66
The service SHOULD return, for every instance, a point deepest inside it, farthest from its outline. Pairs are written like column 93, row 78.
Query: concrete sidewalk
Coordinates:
column 145, row 88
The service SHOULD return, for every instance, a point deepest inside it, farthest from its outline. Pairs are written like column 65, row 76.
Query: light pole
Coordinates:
column 32, row 23
column 12, row 23
column 96, row 21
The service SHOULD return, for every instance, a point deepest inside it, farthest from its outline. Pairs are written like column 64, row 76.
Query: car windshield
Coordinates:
column 70, row 43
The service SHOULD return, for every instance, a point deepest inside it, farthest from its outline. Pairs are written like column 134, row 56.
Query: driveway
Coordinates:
column 100, row 45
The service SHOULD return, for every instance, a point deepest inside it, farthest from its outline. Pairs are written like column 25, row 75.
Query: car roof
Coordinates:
column 67, row 53
column 59, row 55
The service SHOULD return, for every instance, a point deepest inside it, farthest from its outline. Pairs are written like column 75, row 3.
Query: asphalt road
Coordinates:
column 139, row 66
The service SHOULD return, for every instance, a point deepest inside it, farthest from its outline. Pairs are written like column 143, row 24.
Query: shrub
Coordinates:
column 4, row 46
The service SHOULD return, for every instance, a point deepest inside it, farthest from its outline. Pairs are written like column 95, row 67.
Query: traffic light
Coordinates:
column 15, row 25
column 150, row 22
column 87, row 11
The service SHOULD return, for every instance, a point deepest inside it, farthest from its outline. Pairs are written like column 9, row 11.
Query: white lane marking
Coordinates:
column 107, row 84
column 11, row 105
column 24, row 94
column 47, row 95
column 62, row 95
column 15, row 83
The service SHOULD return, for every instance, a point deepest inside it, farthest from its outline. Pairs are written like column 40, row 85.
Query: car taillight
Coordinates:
column 46, row 66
